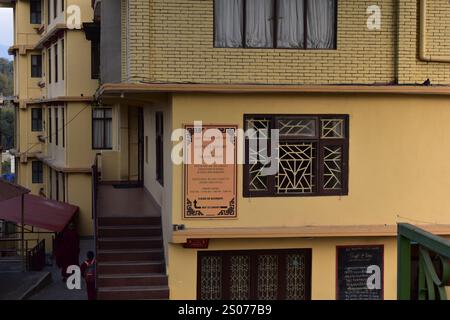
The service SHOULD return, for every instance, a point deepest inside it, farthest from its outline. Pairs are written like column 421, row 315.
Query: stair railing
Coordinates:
column 431, row 283
column 95, row 183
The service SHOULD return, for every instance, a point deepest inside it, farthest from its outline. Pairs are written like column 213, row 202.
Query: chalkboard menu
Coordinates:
column 360, row 272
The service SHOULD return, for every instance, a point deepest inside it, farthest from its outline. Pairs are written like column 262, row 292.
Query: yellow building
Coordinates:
column 55, row 80
column 359, row 95
column 356, row 92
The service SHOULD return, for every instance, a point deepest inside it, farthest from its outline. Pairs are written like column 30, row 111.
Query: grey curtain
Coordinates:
column 321, row 24
column 229, row 23
column 259, row 23
column 290, row 28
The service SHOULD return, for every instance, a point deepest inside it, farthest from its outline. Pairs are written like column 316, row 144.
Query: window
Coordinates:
column 299, row 24
column 56, row 126
column 50, row 133
column 36, row 119
column 254, row 275
column 312, row 153
column 55, row 9
column 63, row 126
column 95, row 60
column 62, row 5
column 159, row 126
column 62, row 59
column 50, row 179
column 37, row 172
column 36, row 66
column 102, row 128
column 56, row 62
column 63, row 183
column 57, row 185
column 49, row 2
column 49, row 65
column 35, row 11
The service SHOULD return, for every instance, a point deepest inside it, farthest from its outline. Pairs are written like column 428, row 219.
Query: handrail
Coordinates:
column 95, row 183
column 426, row 239
column 429, row 283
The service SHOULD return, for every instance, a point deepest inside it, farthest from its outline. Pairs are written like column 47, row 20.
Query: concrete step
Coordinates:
column 121, row 221
column 133, row 293
column 129, row 267
column 129, row 243
column 132, row 279
column 129, row 231
column 130, row 255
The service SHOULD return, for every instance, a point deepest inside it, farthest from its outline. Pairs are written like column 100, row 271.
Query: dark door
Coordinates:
column 141, row 146
column 254, row 275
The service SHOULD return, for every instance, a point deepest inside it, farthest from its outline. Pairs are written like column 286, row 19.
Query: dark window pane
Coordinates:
column 159, row 121
column 36, row 119
column 36, row 66
column 37, row 172
column 102, row 128
column 35, row 12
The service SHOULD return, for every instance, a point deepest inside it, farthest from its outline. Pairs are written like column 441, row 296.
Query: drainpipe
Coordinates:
column 423, row 38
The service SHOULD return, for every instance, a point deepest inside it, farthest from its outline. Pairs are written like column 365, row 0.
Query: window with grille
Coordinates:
column 254, row 275
column 312, row 155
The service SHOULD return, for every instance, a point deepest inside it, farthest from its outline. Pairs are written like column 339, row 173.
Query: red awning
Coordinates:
column 39, row 212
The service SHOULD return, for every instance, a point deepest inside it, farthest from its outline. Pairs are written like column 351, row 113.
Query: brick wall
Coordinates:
column 172, row 41
column 411, row 70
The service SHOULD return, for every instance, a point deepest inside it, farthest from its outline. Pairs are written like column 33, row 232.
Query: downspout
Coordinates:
column 423, row 38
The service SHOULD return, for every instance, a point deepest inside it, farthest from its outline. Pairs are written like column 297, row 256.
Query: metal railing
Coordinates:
column 95, row 183
column 36, row 257
column 433, row 264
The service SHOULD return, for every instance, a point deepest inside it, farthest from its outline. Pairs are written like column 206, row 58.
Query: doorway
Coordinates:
column 136, row 145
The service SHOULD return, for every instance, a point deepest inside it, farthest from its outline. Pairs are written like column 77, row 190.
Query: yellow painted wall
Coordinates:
column 182, row 268
column 79, row 193
column 395, row 141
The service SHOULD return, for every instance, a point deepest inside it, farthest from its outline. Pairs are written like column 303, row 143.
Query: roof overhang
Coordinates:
column 119, row 89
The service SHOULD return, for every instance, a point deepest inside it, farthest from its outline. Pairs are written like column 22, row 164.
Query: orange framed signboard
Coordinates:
column 210, row 172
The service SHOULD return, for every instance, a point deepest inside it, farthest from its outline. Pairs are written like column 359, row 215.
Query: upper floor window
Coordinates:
column 55, row 9
column 35, row 12
column 312, row 155
column 55, row 49
column 36, row 66
column 56, row 126
column 37, row 172
column 299, row 24
column 49, row 62
column 102, row 128
column 36, row 119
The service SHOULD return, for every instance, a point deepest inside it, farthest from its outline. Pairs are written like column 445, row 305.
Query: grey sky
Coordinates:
column 6, row 26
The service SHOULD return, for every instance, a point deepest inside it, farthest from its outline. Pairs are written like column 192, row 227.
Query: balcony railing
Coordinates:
column 433, row 264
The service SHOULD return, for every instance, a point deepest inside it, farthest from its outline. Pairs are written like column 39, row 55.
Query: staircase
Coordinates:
column 130, row 259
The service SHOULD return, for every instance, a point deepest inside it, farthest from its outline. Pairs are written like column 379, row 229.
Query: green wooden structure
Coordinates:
column 431, row 286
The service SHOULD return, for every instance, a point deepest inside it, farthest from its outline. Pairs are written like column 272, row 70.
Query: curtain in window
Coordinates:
column 99, row 129
column 321, row 24
column 229, row 23
column 259, row 23
column 108, row 128
column 290, row 28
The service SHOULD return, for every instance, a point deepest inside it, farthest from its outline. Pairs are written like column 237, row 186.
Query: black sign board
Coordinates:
column 360, row 273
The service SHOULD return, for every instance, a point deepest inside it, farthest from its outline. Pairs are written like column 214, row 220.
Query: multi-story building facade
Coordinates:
column 358, row 91
column 54, row 86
